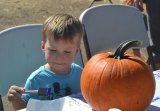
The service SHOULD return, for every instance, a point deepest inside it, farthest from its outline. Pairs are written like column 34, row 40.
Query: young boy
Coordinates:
column 62, row 34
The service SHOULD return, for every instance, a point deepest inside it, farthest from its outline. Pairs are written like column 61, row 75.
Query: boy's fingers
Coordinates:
column 14, row 93
column 21, row 89
column 17, row 89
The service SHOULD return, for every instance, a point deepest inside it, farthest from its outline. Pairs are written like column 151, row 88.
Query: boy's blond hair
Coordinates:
column 62, row 26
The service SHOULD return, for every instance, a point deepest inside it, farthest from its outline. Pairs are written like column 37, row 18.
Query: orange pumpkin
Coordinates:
column 120, row 80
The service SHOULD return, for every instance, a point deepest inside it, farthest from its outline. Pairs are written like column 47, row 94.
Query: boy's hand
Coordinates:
column 15, row 92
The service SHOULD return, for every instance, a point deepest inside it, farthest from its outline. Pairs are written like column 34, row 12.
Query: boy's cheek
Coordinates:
column 70, row 60
column 47, row 57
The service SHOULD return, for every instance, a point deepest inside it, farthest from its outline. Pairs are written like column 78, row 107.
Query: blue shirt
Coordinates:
column 41, row 78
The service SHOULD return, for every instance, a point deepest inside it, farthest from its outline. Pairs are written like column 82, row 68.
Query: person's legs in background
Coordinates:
column 1, row 104
column 153, row 11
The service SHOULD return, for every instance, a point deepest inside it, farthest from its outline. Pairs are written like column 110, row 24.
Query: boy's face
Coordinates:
column 60, row 54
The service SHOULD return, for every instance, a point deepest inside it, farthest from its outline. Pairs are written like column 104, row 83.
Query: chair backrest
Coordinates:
column 106, row 26
column 21, row 54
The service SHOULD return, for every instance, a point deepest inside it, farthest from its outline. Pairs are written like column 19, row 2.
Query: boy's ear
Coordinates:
column 42, row 46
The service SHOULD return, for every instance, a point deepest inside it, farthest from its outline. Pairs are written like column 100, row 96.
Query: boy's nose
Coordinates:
column 59, row 55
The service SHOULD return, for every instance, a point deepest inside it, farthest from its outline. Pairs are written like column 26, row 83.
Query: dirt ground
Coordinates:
column 17, row 12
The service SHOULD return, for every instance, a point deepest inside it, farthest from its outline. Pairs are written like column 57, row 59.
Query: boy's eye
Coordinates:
column 52, row 50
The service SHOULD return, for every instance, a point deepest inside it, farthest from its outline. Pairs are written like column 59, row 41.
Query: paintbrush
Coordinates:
column 40, row 91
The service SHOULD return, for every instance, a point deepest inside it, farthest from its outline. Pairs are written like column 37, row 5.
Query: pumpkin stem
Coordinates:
column 119, row 53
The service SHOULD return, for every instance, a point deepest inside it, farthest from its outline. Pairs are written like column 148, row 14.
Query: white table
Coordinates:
column 75, row 103
column 155, row 105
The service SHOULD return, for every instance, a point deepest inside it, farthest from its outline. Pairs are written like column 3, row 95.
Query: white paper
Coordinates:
column 156, row 99
column 22, row 109
column 62, row 104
